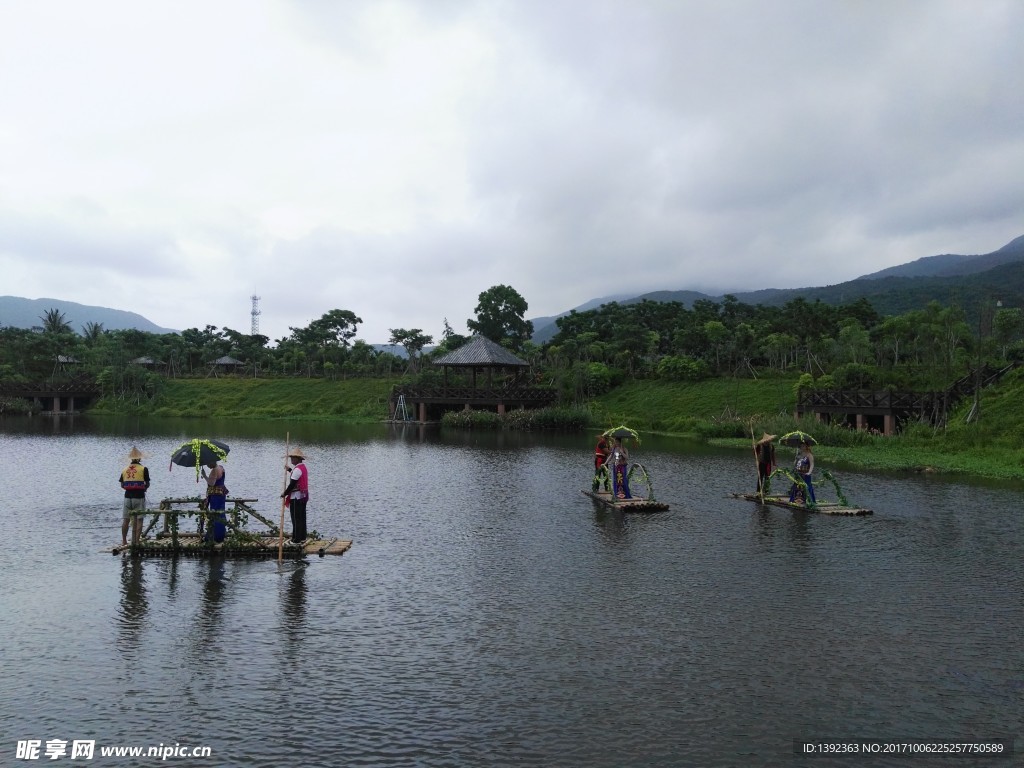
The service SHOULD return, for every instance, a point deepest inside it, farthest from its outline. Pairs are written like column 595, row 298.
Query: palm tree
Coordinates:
column 54, row 321
column 92, row 332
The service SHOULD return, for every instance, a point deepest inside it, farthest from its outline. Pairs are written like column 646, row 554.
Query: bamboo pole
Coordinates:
column 280, row 541
column 757, row 463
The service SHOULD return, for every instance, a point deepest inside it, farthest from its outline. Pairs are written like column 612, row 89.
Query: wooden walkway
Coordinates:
column 822, row 507
column 626, row 505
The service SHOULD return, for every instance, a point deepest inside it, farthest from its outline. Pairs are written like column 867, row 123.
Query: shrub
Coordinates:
column 562, row 418
column 683, row 368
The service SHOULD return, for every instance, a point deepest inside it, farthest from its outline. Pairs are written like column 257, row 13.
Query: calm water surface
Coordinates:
column 488, row 614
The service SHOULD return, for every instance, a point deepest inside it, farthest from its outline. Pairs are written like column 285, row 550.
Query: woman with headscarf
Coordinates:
column 804, row 467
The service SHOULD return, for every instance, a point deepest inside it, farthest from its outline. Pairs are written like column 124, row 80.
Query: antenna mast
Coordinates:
column 255, row 314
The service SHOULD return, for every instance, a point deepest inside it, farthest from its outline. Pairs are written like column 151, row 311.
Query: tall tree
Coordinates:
column 500, row 314
column 413, row 340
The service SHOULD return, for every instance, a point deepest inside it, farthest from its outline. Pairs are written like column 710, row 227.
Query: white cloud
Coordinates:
column 398, row 158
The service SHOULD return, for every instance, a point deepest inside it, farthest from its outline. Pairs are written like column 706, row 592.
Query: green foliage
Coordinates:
column 349, row 400
column 855, row 376
column 472, row 419
column 14, row 406
column 675, row 368
column 598, row 378
column 805, row 382
column 500, row 313
column 565, row 419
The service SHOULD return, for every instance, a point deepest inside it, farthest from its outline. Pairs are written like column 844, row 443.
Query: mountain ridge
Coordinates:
column 893, row 290
column 19, row 312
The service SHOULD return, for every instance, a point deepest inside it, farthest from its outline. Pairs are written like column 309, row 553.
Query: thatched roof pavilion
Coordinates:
column 480, row 353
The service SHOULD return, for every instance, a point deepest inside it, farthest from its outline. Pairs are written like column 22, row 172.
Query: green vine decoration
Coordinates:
column 796, row 479
column 197, row 444
column 241, row 539
column 632, row 433
column 643, row 476
column 839, row 492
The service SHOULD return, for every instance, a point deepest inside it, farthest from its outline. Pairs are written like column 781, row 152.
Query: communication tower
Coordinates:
column 255, row 314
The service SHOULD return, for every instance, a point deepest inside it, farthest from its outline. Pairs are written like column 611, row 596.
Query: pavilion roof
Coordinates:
column 480, row 352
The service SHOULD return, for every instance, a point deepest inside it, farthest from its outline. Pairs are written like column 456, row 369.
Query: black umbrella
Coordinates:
column 199, row 452
column 796, row 439
column 623, row 432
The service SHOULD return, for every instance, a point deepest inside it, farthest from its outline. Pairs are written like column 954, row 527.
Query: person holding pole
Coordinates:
column 765, row 452
column 296, row 493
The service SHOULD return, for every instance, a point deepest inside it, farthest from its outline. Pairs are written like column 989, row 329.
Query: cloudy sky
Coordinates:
column 397, row 158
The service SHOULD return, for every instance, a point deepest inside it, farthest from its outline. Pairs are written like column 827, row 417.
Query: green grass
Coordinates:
column 726, row 412
column 688, row 408
column 349, row 400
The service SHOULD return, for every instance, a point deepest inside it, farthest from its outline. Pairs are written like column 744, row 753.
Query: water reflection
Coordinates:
column 611, row 523
column 206, row 636
column 293, row 602
column 134, row 601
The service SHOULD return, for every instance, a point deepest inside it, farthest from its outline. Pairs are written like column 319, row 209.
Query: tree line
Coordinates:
column 847, row 346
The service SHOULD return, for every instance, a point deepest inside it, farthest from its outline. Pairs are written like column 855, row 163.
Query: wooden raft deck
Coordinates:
column 626, row 505
column 243, row 542
column 822, row 507
column 191, row 545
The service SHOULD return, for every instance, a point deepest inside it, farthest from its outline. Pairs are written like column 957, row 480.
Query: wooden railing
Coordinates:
column 79, row 385
column 935, row 403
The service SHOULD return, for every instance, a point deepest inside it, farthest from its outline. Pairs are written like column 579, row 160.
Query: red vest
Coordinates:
column 302, row 485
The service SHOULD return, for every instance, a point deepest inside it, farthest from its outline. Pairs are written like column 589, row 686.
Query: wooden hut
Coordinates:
column 226, row 364
column 149, row 364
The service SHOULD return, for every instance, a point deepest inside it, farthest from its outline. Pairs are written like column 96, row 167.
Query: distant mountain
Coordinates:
column 544, row 327
column 543, row 323
column 17, row 312
column 949, row 264
column 948, row 279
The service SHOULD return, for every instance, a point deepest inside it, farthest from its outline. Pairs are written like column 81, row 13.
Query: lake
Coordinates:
column 489, row 614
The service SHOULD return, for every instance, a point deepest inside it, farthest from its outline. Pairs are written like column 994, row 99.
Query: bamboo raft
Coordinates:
column 171, row 541
column 626, row 505
column 822, row 507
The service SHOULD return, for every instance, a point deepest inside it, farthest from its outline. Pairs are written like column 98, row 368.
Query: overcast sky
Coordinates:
column 396, row 159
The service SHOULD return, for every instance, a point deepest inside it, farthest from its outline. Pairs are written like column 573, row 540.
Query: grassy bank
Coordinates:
column 691, row 408
column 721, row 411
column 350, row 400
column 726, row 412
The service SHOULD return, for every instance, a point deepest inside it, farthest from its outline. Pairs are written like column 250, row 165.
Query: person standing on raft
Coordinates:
column 216, row 496
column 620, row 470
column 296, row 494
column 804, row 467
column 601, row 453
column 135, row 482
column 765, row 451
